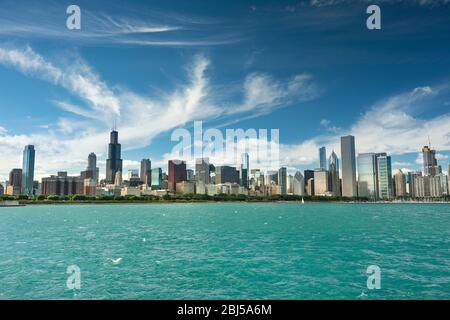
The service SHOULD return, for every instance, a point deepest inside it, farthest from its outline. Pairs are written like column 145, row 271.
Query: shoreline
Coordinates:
column 70, row 203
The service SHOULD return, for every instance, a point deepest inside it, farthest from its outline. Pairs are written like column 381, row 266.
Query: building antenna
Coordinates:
column 429, row 141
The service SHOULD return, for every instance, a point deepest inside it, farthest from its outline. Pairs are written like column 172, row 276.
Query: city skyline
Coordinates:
column 363, row 175
column 225, row 68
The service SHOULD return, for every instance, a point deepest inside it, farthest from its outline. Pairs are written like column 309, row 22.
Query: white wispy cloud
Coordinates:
column 85, row 128
column 129, row 27
column 77, row 77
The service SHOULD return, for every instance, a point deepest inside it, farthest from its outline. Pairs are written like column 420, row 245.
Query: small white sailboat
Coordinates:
column 303, row 201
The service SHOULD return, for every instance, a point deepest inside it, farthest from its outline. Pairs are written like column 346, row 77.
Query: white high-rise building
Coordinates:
column 299, row 184
column 321, row 182
column 348, row 166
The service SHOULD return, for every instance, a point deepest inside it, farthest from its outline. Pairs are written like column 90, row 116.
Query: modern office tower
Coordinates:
column 299, row 184
column 444, row 183
column 15, row 183
column 118, row 179
column 323, row 158
column 334, row 184
column 62, row 184
column 367, row 175
column 91, row 171
column 320, row 182
column 310, row 187
column 308, row 174
column 177, row 173
column 146, row 172
column 400, row 184
column 412, row 179
column 226, row 174
column 435, row 186
column 2, row 190
column 92, row 166
column 28, row 170
column 384, row 176
column 202, row 170
column 428, row 186
column 282, row 180
column 245, row 168
column 290, row 184
column 348, row 166
column 114, row 161
column 157, row 179
column 429, row 161
column 190, row 175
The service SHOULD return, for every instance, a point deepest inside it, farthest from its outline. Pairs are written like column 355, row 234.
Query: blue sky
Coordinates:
column 309, row 68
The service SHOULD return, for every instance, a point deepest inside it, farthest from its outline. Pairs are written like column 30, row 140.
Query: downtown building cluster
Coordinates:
column 366, row 175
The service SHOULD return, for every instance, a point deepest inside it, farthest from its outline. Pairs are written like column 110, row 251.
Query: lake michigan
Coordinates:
column 226, row 251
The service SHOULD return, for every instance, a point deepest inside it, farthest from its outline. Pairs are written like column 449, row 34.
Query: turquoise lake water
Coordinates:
column 226, row 251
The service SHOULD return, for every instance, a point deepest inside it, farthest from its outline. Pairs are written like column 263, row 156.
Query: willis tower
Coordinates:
column 114, row 161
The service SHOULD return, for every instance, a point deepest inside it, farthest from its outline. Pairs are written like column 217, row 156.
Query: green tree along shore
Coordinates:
column 171, row 198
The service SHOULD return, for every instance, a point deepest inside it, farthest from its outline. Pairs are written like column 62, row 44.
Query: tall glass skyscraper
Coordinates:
column 114, row 161
column 333, row 171
column 384, row 176
column 245, row 167
column 348, row 166
column 323, row 158
column 28, row 170
column 157, row 179
column 282, row 180
column 146, row 172
column 367, row 175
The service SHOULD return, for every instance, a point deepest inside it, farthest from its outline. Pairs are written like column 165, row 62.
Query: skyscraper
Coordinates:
column 146, row 172
column 348, row 166
column 429, row 161
column 323, row 158
column 282, row 181
column 245, row 166
column 400, row 184
column 177, row 173
column 157, row 179
column 299, row 184
column 384, row 176
column 28, row 170
column 15, row 182
column 333, row 171
column 92, row 171
column 367, row 175
column 114, row 161
column 202, row 170
column 320, row 182
column 308, row 175
column 226, row 174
